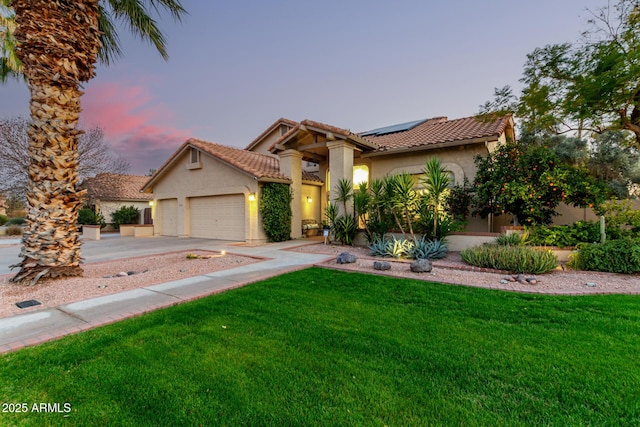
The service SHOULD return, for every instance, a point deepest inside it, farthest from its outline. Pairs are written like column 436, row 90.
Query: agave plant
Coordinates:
column 428, row 249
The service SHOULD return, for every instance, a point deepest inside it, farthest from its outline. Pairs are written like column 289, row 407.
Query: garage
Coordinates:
column 218, row 217
column 168, row 213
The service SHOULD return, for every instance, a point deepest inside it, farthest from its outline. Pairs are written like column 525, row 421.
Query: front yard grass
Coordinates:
column 323, row 347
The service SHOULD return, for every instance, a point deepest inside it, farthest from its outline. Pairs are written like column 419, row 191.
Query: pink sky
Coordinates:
column 139, row 127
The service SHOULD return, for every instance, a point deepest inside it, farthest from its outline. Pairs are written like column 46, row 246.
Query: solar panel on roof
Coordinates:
column 393, row 128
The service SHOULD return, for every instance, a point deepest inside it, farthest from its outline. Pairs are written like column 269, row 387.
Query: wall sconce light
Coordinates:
column 309, row 199
column 252, row 197
column 151, row 203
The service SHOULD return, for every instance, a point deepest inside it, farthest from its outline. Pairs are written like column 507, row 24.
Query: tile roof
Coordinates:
column 439, row 130
column 262, row 166
column 267, row 131
column 323, row 127
column 112, row 186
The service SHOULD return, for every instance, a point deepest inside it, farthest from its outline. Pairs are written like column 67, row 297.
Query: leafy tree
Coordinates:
column 94, row 155
column 528, row 181
column 593, row 85
column 57, row 44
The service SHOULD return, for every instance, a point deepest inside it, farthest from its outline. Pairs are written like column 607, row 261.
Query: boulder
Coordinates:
column 421, row 266
column 346, row 258
column 381, row 265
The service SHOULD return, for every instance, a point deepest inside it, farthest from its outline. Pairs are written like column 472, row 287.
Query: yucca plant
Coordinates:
column 436, row 181
column 345, row 229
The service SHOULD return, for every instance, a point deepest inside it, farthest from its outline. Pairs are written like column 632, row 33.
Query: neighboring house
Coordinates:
column 108, row 192
column 211, row 190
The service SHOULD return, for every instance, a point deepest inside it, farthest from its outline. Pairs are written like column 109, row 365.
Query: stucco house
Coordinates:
column 212, row 190
column 108, row 192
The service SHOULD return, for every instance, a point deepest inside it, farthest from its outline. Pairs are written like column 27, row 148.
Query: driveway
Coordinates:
column 113, row 246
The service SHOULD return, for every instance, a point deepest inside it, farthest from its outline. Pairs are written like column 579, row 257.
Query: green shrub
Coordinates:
column 512, row 239
column 613, row 256
column 519, row 259
column 14, row 230
column 567, row 235
column 16, row 221
column 3, row 219
column 428, row 249
column 88, row 216
column 125, row 215
column 275, row 209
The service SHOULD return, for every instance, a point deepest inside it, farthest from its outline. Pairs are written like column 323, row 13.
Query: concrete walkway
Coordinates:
column 48, row 324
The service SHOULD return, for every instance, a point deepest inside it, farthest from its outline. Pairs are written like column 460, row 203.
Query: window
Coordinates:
column 360, row 175
column 194, row 159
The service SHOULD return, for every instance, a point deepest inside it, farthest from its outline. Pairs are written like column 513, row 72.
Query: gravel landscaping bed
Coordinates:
column 453, row 270
column 148, row 270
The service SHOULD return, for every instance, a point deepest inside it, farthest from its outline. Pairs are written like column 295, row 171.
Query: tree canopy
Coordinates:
column 592, row 85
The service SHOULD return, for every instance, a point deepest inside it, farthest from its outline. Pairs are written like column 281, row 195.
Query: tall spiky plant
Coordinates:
column 58, row 43
column 436, row 180
column 403, row 199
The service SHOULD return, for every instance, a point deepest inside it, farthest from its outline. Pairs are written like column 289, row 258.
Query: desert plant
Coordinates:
column 345, row 229
column 344, row 193
column 88, row 216
column 399, row 248
column 378, row 247
column 16, row 221
column 519, row 259
column 3, row 219
column 436, row 181
column 402, row 200
column 614, row 256
column 424, row 248
column 14, row 230
column 125, row 215
column 512, row 239
column 275, row 209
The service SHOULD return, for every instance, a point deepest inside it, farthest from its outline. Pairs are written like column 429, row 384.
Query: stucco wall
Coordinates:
column 213, row 178
column 457, row 159
column 106, row 208
column 311, row 210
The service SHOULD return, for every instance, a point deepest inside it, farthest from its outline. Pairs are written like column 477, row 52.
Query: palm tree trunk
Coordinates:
column 58, row 46
column 51, row 247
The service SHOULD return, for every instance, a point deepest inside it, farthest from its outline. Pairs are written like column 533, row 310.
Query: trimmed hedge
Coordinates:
column 614, row 256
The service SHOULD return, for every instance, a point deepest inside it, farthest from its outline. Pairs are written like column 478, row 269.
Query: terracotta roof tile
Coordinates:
column 112, row 186
column 270, row 129
column 262, row 166
column 440, row 130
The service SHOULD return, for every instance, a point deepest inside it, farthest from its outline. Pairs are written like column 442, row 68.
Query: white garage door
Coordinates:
column 218, row 217
column 168, row 217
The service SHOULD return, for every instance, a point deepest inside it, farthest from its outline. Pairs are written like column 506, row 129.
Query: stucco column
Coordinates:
column 340, row 167
column 291, row 166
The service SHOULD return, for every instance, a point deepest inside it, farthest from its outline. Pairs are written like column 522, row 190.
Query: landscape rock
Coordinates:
column 421, row 266
column 381, row 265
column 346, row 258
column 122, row 274
column 590, row 284
column 504, row 281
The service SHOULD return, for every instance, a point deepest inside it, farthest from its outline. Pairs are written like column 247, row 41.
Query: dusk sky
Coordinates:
column 237, row 66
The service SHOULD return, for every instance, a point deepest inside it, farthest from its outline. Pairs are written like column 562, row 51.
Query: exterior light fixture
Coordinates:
column 252, row 197
column 309, row 199
column 151, row 203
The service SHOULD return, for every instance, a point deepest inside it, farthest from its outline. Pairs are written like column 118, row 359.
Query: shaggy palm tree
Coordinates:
column 436, row 181
column 57, row 44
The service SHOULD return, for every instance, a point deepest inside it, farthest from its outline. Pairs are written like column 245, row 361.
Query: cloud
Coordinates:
column 138, row 127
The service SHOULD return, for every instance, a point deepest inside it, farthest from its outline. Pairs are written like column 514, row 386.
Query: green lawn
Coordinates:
column 322, row 347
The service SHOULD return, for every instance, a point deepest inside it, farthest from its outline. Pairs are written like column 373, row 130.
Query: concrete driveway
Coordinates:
column 113, row 246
